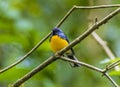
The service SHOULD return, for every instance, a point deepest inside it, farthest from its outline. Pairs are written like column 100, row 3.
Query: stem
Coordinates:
column 82, row 64
column 97, row 7
column 34, row 71
column 112, row 81
column 26, row 55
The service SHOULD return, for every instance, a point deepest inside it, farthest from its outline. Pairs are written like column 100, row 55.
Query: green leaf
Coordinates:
column 115, row 73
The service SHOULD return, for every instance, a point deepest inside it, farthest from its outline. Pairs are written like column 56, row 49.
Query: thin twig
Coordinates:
column 26, row 55
column 104, row 45
column 82, row 64
column 114, row 64
column 84, row 7
column 97, row 7
column 112, row 81
column 73, row 43
column 91, row 67
column 65, row 17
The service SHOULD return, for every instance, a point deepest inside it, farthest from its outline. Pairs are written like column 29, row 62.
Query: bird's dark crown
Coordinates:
column 57, row 31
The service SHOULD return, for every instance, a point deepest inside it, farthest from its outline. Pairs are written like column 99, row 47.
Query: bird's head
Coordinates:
column 56, row 31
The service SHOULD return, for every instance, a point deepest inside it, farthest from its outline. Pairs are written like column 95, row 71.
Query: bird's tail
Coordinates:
column 74, row 58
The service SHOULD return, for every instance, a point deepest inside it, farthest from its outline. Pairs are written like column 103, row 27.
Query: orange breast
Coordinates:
column 57, row 43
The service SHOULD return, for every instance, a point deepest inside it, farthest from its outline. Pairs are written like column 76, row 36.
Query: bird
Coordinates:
column 58, row 40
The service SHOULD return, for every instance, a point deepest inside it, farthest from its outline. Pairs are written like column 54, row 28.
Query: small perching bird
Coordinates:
column 58, row 41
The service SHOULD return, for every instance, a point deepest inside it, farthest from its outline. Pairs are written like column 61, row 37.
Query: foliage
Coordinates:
column 23, row 23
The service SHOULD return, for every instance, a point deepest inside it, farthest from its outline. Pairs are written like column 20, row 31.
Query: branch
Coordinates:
column 82, row 64
column 93, row 68
column 34, row 71
column 58, row 25
column 97, row 7
column 26, row 55
column 112, row 65
column 105, row 47
column 84, row 7
column 61, row 52
column 112, row 81
column 118, row 61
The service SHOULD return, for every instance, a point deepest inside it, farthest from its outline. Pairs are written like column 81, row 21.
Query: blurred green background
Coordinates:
column 23, row 23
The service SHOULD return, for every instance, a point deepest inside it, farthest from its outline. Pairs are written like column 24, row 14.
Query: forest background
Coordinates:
column 23, row 23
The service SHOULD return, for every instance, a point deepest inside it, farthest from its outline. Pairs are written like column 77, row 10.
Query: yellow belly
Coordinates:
column 57, row 43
